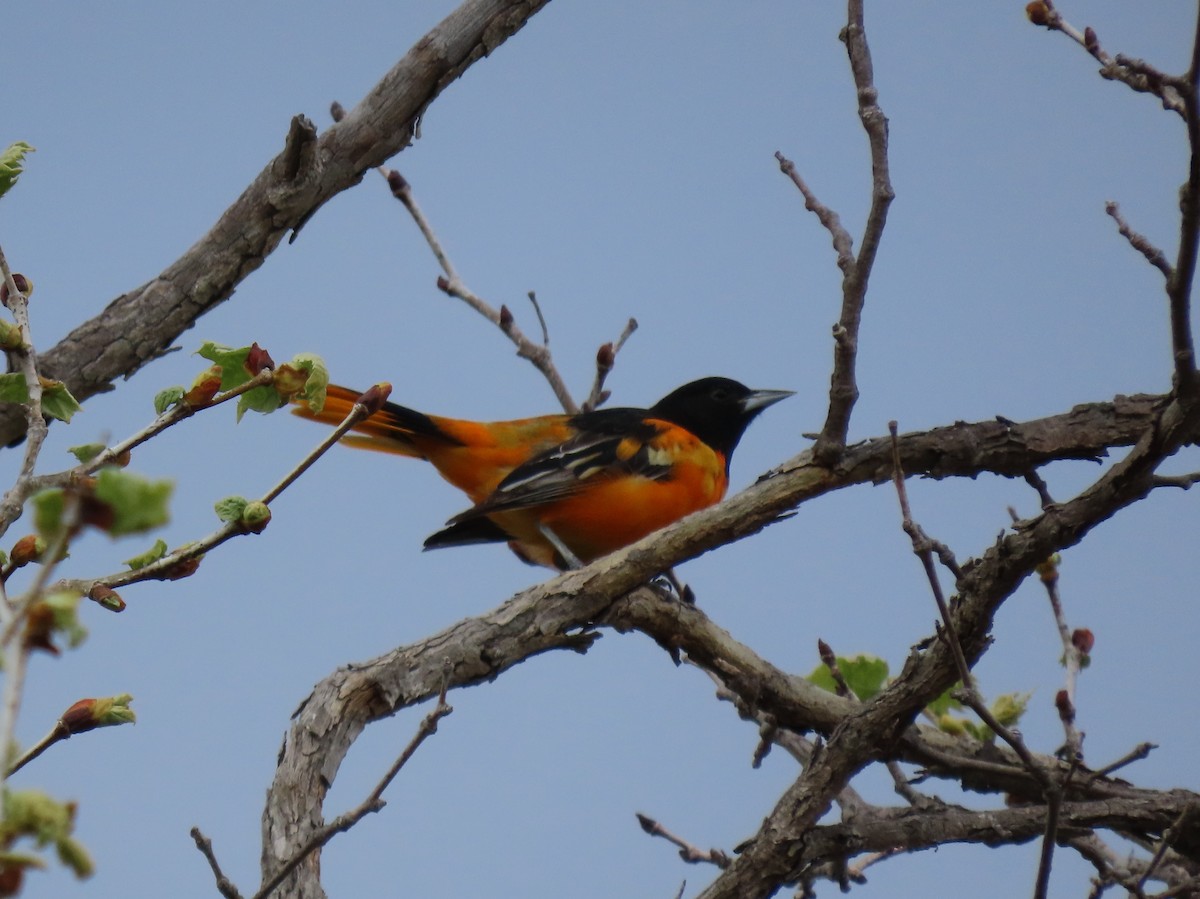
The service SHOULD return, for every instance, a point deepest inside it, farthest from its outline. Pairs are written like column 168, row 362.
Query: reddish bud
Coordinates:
column 28, row 549
column 605, row 356
column 23, row 284
column 107, row 597
column 443, row 285
column 1038, row 12
column 99, row 515
column 121, row 460
column 375, row 397
column 12, row 876
column 204, row 388
column 1083, row 640
column 183, row 569
column 107, row 711
column 39, row 627
column 78, row 718
column 337, row 111
column 1066, row 708
column 1090, row 41
column 506, row 318
column 398, row 185
column 258, row 359
column 825, row 651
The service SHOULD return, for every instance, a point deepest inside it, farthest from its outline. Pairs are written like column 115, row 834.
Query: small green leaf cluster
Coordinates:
column 866, row 675
column 303, row 379
column 32, row 815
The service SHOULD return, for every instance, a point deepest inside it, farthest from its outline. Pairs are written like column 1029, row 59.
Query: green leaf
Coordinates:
column 57, row 401
column 261, row 399
column 1009, row 707
column 153, row 554
column 48, row 512
column 317, row 381
column 33, row 814
column 13, row 388
column 945, row 702
column 232, row 361
column 12, row 160
column 139, row 504
column 72, row 853
column 165, row 399
column 65, row 607
column 86, row 452
column 864, row 674
column 231, row 508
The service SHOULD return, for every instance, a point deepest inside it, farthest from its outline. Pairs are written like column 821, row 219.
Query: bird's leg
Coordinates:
column 682, row 591
column 677, row 588
column 569, row 558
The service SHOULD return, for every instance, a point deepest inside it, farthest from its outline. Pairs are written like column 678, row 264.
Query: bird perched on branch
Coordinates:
column 562, row 490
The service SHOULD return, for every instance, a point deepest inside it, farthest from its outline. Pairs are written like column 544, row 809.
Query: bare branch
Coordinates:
column 687, row 852
column 923, row 549
column 453, row 285
column 225, row 886
column 1139, row 752
column 1139, row 242
column 606, row 357
column 1131, row 72
column 140, row 325
column 373, row 803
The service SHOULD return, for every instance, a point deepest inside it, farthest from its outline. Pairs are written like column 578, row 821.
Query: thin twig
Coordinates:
column 1073, row 656
column 843, row 243
column 1139, row 242
column 923, row 549
column 224, row 885
column 26, row 360
column 969, row 695
column 606, row 357
column 57, row 734
column 688, row 852
column 537, row 307
column 170, row 565
column 1169, row 836
column 373, row 803
column 1182, row 481
column 1034, row 480
column 453, row 285
column 843, row 388
column 1180, row 95
column 1135, row 74
column 1137, row 754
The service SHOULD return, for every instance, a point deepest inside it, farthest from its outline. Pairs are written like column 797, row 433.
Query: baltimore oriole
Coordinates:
column 562, row 490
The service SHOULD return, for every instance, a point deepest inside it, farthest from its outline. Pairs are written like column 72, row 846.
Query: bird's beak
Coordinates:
column 760, row 399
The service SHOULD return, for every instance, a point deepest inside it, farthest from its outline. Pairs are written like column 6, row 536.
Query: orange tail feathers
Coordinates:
column 390, row 430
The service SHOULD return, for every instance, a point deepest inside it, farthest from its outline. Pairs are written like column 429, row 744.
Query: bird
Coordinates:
column 563, row 490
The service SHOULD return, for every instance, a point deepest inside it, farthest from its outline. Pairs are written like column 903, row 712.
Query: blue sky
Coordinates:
column 616, row 158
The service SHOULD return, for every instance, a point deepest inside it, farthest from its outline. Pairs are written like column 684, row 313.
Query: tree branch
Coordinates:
column 140, row 325
column 559, row 613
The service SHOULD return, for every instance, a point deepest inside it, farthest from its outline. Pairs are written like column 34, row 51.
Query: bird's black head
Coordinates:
column 717, row 410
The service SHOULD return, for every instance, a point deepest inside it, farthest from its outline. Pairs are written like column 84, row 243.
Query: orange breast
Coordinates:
column 612, row 512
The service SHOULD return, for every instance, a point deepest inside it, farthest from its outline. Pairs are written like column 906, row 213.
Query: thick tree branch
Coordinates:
column 140, row 325
column 557, row 614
